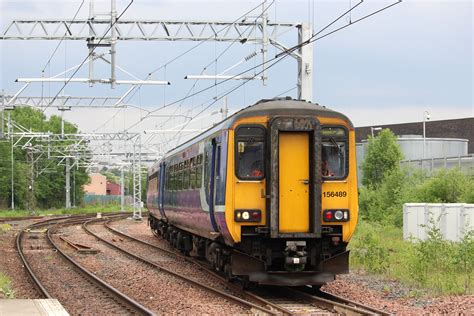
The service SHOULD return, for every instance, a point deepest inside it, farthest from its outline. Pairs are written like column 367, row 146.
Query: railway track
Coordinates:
column 161, row 265
column 280, row 300
column 57, row 275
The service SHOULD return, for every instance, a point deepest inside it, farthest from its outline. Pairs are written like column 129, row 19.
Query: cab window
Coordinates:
column 334, row 153
column 250, row 152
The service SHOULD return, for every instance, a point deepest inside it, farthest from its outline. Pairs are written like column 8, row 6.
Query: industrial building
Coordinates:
column 462, row 128
column 444, row 143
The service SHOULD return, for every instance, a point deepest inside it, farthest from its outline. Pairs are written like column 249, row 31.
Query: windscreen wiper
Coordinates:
column 335, row 143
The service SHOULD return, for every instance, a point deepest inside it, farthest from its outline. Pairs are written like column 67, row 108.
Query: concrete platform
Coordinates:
column 14, row 307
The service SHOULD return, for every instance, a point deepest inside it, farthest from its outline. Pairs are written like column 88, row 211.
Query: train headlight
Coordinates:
column 336, row 215
column 248, row 215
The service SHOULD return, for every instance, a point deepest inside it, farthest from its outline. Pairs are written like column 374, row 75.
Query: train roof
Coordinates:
column 280, row 106
column 284, row 106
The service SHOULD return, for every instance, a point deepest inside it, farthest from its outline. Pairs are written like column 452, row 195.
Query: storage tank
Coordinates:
column 412, row 147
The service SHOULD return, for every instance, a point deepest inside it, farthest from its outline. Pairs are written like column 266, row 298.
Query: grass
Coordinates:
column 4, row 228
column 5, row 287
column 73, row 211
column 435, row 265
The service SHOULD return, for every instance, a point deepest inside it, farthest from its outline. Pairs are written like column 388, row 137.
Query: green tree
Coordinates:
column 382, row 158
column 49, row 182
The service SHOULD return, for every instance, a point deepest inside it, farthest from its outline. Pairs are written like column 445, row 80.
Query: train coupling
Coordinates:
column 295, row 256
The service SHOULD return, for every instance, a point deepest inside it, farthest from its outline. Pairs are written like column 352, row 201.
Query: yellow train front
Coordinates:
column 269, row 195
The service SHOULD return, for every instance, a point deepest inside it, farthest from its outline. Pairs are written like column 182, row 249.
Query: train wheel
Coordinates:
column 228, row 272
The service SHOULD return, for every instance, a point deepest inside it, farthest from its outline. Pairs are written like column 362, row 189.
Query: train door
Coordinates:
column 294, row 182
column 161, row 189
column 214, row 167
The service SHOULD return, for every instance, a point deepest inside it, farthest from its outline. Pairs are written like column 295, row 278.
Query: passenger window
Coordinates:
column 199, row 175
column 192, row 177
column 250, row 150
column 186, row 179
column 334, row 152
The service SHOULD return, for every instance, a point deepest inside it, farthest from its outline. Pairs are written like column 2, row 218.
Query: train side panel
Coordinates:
column 187, row 194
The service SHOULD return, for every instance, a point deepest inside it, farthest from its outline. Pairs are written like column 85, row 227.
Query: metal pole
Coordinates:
column 31, row 196
column 10, row 128
column 264, row 42
column 91, row 33
column 68, row 184
column 426, row 116
column 113, row 41
column 305, row 64
column 140, row 174
column 424, row 137
column 122, row 191
column 62, row 123
column 73, row 188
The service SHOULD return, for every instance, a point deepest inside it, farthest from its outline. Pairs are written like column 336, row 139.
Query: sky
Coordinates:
column 416, row 56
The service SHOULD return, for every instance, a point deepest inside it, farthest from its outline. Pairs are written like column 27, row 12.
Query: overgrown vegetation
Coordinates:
column 440, row 266
column 378, row 245
column 384, row 203
column 6, row 290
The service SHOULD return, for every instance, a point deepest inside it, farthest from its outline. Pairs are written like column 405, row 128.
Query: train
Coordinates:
column 268, row 196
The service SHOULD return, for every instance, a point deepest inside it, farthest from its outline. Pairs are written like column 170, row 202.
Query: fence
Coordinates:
column 464, row 163
column 105, row 199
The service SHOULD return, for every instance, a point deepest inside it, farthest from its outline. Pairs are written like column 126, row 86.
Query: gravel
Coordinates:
column 367, row 289
column 10, row 262
column 66, row 283
column 155, row 289
column 165, row 294
column 396, row 298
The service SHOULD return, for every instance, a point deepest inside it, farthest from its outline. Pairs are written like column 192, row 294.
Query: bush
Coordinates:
column 446, row 186
column 385, row 202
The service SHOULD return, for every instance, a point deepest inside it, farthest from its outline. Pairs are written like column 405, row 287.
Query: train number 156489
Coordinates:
column 331, row 194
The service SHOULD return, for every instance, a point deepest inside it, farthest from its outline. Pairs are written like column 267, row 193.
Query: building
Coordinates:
column 456, row 128
column 447, row 144
column 113, row 188
column 97, row 186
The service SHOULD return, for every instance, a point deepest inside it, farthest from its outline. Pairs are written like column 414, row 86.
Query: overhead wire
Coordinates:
column 232, row 90
column 312, row 39
column 189, row 50
column 208, row 38
column 88, row 55
column 284, row 53
column 57, row 46
column 214, row 61
column 278, row 58
column 62, row 38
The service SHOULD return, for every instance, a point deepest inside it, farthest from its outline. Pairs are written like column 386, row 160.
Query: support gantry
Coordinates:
column 100, row 31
